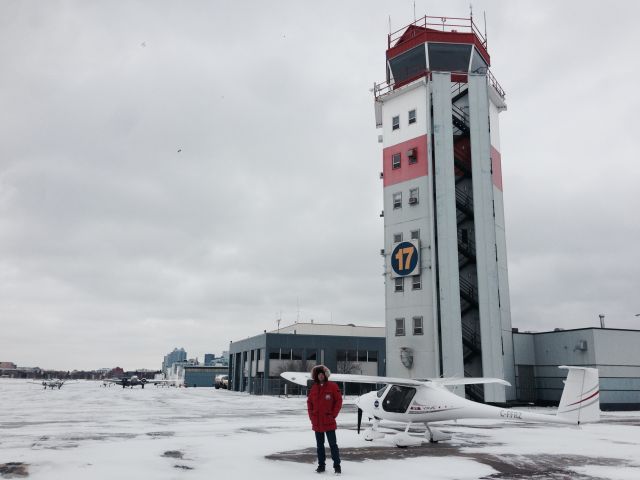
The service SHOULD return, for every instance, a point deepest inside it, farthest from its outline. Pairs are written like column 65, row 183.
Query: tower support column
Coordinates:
column 446, row 227
column 485, row 236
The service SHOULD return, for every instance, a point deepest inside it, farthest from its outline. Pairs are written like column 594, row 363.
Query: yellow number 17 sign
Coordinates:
column 405, row 259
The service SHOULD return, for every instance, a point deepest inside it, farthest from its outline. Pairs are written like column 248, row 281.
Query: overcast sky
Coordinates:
column 179, row 173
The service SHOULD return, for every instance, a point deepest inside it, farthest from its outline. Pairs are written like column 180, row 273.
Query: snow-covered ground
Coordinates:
column 86, row 431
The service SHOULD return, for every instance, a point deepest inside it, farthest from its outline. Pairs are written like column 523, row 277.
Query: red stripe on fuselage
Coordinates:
column 585, row 399
column 406, row 171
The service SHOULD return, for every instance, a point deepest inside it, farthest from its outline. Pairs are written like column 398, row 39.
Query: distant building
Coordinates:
column 178, row 355
column 116, row 373
column 613, row 352
column 202, row 376
column 255, row 363
column 8, row 365
column 209, row 358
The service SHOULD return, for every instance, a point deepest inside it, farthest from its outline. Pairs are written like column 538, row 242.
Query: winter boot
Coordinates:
column 337, row 469
column 320, row 469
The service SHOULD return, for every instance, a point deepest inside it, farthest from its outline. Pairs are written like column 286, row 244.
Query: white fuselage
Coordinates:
column 433, row 403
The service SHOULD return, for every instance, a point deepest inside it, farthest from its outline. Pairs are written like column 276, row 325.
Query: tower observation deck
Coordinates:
column 447, row 306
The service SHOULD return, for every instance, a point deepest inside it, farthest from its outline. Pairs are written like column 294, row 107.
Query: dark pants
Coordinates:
column 335, row 454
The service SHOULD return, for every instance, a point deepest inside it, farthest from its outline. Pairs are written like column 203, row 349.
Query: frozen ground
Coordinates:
column 85, row 431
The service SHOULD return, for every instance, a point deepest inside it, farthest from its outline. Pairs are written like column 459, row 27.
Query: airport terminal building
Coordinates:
column 612, row 351
column 255, row 363
column 361, row 350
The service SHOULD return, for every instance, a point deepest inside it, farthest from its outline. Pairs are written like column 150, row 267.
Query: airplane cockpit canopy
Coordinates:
column 398, row 399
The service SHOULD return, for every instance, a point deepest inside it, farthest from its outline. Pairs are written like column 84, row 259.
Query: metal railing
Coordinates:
column 468, row 291
column 494, row 82
column 443, row 24
column 464, row 201
column 459, row 79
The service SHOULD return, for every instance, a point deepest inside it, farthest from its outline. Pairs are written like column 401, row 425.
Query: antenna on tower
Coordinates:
column 414, row 12
column 484, row 14
column 298, row 313
column 471, row 11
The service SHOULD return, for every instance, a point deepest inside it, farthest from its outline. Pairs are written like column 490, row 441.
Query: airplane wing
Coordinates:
column 301, row 378
column 113, row 380
column 468, row 381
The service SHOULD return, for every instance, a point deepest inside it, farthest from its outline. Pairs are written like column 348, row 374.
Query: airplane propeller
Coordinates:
column 359, row 419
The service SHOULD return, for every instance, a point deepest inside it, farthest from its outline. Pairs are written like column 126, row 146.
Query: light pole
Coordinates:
column 601, row 320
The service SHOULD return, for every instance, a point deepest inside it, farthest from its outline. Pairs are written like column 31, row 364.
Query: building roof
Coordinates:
column 348, row 330
column 561, row 330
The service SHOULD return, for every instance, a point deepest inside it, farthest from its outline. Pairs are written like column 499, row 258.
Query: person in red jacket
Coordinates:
column 323, row 404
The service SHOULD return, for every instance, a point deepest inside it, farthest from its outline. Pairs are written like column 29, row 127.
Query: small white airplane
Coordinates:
column 52, row 383
column 134, row 381
column 425, row 401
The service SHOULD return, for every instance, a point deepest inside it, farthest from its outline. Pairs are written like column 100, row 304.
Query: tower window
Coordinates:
column 416, row 282
column 399, row 284
column 415, row 234
column 395, row 161
column 397, row 200
column 397, row 237
column 412, row 116
column 413, row 156
column 395, row 122
column 413, row 196
column 399, row 327
column 417, row 326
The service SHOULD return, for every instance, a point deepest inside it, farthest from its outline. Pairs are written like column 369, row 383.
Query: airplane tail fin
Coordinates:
column 580, row 402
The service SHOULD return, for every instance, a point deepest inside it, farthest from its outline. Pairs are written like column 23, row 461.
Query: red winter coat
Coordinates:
column 323, row 404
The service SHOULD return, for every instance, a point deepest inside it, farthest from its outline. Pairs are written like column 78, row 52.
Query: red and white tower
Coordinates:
column 446, row 281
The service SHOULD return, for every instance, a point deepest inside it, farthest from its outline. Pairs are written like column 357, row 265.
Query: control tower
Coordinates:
column 446, row 282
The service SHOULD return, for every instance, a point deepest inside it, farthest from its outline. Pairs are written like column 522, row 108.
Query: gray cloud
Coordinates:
column 115, row 246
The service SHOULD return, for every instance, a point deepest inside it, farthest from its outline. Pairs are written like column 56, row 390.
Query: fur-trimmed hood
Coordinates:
column 316, row 371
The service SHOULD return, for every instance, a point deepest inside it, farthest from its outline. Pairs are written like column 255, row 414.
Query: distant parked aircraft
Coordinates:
column 134, row 381
column 52, row 383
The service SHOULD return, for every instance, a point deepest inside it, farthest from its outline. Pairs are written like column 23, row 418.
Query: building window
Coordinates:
column 412, row 116
column 274, row 354
column 397, row 200
column 395, row 161
column 362, row 355
column 416, row 282
column 395, row 122
column 399, row 327
column 412, row 155
column 296, row 354
column 312, row 355
column 417, row 325
column 413, row 196
column 372, row 355
column 397, row 237
column 285, row 354
column 415, row 234
column 399, row 285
